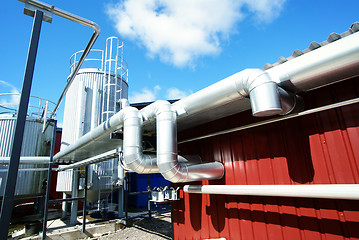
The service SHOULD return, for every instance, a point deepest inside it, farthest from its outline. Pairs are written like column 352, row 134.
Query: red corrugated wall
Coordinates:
column 321, row 148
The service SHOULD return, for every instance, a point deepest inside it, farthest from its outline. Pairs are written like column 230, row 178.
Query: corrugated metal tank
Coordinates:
column 81, row 105
column 320, row 148
column 91, row 99
column 35, row 143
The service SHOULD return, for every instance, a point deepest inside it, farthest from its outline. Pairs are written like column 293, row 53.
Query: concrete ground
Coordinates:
column 139, row 226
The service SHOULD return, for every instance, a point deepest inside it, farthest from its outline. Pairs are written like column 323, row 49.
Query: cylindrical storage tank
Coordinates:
column 31, row 177
column 92, row 98
column 82, row 105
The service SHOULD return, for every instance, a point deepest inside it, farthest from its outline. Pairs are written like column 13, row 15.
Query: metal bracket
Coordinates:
column 30, row 11
column 163, row 195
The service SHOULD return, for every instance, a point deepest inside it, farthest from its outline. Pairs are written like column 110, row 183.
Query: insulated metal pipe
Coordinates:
column 331, row 63
column 132, row 144
column 107, row 127
column 27, row 160
column 96, row 159
column 253, row 83
column 74, row 18
column 167, row 157
column 331, row 191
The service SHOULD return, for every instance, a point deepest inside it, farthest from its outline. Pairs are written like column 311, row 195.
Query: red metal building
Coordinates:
column 318, row 148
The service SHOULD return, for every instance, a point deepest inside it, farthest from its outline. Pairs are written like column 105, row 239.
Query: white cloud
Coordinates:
column 180, row 31
column 175, row 93
column 12, row 100
column 150, row 95
column 146, row 95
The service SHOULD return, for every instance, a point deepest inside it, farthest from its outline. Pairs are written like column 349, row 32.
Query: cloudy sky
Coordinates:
column 173, row 48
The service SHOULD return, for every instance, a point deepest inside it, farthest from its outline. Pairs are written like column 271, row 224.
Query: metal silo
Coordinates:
column 31, row 177
column 92, row 98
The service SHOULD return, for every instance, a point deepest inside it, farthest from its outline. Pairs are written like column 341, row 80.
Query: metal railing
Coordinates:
column 90, row 62
column 38, row 107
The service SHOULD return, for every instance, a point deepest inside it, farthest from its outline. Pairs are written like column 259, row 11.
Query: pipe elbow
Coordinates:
column 134, row 159
column 96, row 27
column 267, row 99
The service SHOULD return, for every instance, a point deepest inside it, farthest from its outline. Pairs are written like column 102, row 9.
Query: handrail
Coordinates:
column 74, row 61
column 37, row 106
column 74, row 18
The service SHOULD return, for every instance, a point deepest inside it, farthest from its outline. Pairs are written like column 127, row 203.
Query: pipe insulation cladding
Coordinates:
column 167, row 160
column 268, row 93
column 132, row 144
column 167, row 156
column 265, row 96
column 325, row 65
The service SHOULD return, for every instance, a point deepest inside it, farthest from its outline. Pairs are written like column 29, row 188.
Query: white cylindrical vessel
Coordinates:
column 92, row 98
column 30, row 183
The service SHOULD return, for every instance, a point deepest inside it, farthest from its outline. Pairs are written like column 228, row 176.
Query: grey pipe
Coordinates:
column 74, row 18
column 331, row 63
column 265, row 97
column 96, row 159
column 173, row 167
column 106, row 128
column 132, row 144
column 167, row 157
column 27, row 160
column 330, row 191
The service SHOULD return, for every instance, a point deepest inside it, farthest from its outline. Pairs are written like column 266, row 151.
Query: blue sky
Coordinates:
column 173, row 48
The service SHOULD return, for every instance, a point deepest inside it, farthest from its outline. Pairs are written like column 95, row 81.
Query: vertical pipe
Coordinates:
column 120, row 202
column 126, row 198
column 94, row 110
column 85, row 201
column 8, row 197
column 64, row 207
column 75, row 191
column 149, row 196
column 48, row 185
column 80, row 109
column 121, row 176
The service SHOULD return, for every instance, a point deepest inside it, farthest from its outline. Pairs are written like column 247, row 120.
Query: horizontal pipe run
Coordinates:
column 77, row 19
column 105, row 129
column 330, row 191
column 27, row 160
column 274, row 120
column 138, row 193
column 67, row 199
column 325, row 65
column 31, row 170
column 61, row 13
column 96, row 159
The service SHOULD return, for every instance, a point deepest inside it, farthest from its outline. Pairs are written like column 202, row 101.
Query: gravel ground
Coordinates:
column 159, row 227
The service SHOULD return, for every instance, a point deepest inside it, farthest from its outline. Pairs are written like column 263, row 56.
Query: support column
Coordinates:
column 75, row 193
column 8, row 198
column 64, row 207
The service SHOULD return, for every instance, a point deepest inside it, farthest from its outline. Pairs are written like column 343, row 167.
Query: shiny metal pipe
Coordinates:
column 74, row 18
column 106, row 128
column 133, row 157
column 167, row 157
column 331, row 63
column 27, row 160
column 330, row 191
column 253, row 83
column 96, row 159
